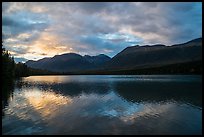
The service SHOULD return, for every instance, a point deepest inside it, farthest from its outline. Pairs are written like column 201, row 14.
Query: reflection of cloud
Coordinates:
column 47, row 79
column 35, row 105
column 111, row 105
column 91, row 111
column 145, row 110
column 46, row 103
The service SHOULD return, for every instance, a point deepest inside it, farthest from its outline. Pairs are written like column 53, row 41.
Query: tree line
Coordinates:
column 12, row 70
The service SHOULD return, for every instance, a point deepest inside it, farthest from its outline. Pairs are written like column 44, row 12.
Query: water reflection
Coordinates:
column 46, row 79
column 46, row 103
column 131, row 88
column 7, row 93
column 161, row 92
column 105, row 105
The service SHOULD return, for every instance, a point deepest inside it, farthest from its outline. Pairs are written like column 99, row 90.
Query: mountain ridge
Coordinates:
column 68, row 62
column 132, row 57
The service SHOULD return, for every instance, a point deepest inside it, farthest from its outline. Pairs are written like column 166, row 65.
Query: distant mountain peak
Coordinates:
column 69, row 62
column 130, row 57
column 196, row 42
column 99, row 55
column 68, row 54
column 159, row 54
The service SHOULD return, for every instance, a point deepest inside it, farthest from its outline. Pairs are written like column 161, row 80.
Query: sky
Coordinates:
column 34, row 30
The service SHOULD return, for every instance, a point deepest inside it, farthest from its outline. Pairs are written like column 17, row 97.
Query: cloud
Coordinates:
column 163, row 22
column 23, row 21
column 106, row 43
column 16, row 59
column 96, row 27
column 92, row 7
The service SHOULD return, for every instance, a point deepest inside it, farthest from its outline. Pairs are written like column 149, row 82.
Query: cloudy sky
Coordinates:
column 38, row 30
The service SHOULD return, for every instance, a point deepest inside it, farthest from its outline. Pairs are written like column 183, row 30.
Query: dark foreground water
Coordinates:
column 137, row 104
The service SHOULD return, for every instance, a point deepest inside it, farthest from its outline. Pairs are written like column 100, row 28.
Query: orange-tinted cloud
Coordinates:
column 47, row 29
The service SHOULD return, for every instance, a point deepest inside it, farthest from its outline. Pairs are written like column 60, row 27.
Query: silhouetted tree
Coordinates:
column 21, row 70
column 8, row 66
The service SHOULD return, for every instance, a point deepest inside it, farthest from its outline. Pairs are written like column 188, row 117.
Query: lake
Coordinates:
column 104, row 104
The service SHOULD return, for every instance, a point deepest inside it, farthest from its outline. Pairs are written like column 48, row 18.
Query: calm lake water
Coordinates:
column 107, row 104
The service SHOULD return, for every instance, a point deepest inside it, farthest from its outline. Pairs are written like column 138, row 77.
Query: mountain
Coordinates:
column 97, row 60
column 69, row 62
column 148, row 59
column 147, row 56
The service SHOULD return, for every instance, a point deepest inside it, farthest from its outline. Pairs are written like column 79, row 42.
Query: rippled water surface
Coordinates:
column 133, row 104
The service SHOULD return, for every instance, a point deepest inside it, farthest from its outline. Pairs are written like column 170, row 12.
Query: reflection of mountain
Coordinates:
column 154, row 59
column 161, row 91
column 132, row 91
column 105, row 103
column 73, row 88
